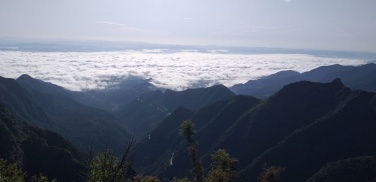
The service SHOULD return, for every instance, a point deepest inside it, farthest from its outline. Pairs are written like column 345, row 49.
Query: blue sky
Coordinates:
column 306, row 24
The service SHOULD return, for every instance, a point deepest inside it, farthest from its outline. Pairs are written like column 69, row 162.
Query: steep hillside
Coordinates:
column 39, row 150
column 347, row 170
column 23, row 104
column 302, row 127
column 82, row 124
column 30, row 83
column 107, row 98
column 144, row 113
column 78, row 123
column 347, row 131
column 211, row 122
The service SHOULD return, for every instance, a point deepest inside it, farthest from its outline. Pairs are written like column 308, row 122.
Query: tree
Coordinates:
column 145, row 179
column 106, row 167
column 11, row 172
column 269, row 174
column 187, row 132
column 223, row 168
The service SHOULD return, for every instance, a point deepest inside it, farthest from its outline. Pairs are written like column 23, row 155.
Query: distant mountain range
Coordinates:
column 356, row 77
column 317, row 131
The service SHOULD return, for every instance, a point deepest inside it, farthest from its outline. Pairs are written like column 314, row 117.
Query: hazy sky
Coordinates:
column 307, row 24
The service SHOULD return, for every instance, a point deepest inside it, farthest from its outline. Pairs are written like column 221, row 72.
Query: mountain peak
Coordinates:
column 337, row 82
column 33, row 84
column 24, row 76
column 309, row 88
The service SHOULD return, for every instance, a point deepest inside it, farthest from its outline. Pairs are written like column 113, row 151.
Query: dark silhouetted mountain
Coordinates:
column 82, row 124
column 302, row 127
column 316, row 75
column 111, row 97
column 264, row 87
column 41, row 151
column 359, row 78
column 145, row 112
column 347, row 170
column 356, row 77
column 162, row 141
column 30, row 83
column 77, row 122
column 108, row 98
column 211, row 122
column 346, row 131
column 23, row 104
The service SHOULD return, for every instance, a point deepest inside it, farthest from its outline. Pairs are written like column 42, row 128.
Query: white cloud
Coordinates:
column 288, row 1
column 178, row 71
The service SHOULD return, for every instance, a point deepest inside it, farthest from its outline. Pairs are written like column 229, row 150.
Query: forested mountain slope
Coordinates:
column 302, row 127
column 107, row 98
column 40, row 150
column 145, row 112
column 54, row 109
column 23, row 104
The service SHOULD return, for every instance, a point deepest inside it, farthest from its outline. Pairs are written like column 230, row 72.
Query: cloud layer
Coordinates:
column 178, row 71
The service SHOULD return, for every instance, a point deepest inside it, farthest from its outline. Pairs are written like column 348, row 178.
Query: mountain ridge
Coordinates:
column 145, row 112
column 79, row 123
column 259, row 128
column 355, row 77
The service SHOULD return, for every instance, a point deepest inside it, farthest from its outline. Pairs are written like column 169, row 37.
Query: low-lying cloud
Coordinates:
column 177, row 71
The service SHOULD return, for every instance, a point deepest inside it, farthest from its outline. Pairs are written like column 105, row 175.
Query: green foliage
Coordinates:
column 11, row 172
column 41, row 178
column 106, row 167
column 141, row 178
column 187, row 132
column 198, row 170
column 223, row 168
column 175, row 179
column 269, row 174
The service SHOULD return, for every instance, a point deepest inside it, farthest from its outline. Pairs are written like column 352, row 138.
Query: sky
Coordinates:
column 305, row 24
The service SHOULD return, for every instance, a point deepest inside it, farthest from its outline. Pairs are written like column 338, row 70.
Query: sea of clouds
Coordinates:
column 177, row 71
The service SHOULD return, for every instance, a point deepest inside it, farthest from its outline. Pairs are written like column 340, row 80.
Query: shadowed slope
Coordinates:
column 145, row 112
column 78, row 123
column 39, row 150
